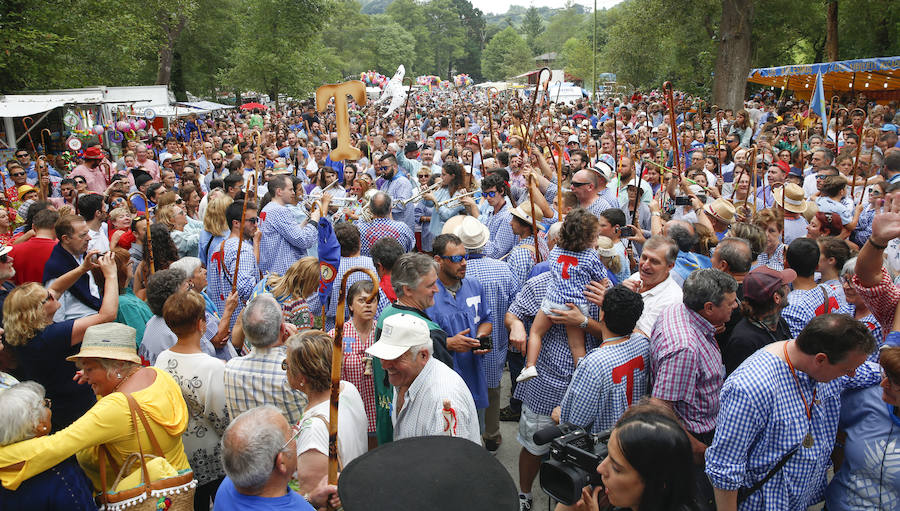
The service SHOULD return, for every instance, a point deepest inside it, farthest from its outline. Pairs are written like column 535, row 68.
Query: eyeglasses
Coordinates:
column 22, row 155
column 874, row 192
column 576, row 184
column 253, row 220
column 490, row 194
column 456, row 258
column 47, row 402
column 822, row 176
column 383, row 168
column 17, row 174
column 48, row 299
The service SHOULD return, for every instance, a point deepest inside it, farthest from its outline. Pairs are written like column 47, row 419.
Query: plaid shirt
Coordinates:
column 775, row 261
column 881, row 299
column 370, row 232
column 499, row 291
column 601, row 204
column 502, row 239
column 521, row 259
column 687, row 366
column 354, row 367
column 283, row 239
column 572, row 271
column 805, row 304
column 606, row 383
column 399, row 189
column 554, row 363
column 346, row 264
column 762, row 417
column 258, row 379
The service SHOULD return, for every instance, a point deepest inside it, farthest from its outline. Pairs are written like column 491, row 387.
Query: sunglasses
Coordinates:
column 47, row 402
column 17, row 174
column 490, row 194
column 253, row 220
column 22, row 155
column 456, row 258
column 576, row 184
column 4, row 259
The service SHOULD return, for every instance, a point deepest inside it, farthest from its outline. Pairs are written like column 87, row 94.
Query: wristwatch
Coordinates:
column 584, row 323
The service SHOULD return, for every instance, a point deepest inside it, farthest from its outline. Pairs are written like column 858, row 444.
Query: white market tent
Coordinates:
column 132, row 99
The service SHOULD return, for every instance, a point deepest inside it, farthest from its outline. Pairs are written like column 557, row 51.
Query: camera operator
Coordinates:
column 648, row 466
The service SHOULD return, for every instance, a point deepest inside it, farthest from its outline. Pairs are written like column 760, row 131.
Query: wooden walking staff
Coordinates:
column 537, row 87
column 28, row 132
column 237, row 258
column 670, row 97
column 147, row 216
column 337, row 358
column 491, row 118
column 405, row 107
column 559, row 179
column 43, row 141
column 752, row 174
column 859, row 145
column 534, row 227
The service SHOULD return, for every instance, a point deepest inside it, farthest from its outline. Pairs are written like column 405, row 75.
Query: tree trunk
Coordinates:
column 831, row 31
column 167, row 52
column 733, row 60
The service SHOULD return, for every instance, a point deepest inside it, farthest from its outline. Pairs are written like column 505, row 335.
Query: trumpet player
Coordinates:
column 452, row 179
column 383, row 226
column 283, row 239
column 398, row 187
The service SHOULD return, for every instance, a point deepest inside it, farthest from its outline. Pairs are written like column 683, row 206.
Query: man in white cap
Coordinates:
column 430, row 398
column 589, row 187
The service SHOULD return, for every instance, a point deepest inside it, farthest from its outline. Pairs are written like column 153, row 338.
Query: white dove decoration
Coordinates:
column 394, row 90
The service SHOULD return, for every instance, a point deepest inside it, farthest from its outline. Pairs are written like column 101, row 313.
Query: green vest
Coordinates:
column 384, row 392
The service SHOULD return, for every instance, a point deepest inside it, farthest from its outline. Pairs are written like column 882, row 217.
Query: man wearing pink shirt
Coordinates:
column 90, row 170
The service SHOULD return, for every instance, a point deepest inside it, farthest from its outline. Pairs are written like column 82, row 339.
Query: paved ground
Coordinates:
column 508, row 454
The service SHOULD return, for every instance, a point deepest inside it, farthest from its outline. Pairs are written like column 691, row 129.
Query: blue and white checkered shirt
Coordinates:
column 805, row 304
column 521, row 259
column 499, row 289
column 608, row 381
column 400, row 188
column 572, row 271
column 345, row 265
column 502, row 239
column 248, row 274
column 258, row 379
column 555, row 366
column 378, row 228
column 775, row 262
column 762, row 417
column 283, row 240
column 601, row 204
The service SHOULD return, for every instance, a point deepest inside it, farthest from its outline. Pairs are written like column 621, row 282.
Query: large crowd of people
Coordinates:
column 714, row 287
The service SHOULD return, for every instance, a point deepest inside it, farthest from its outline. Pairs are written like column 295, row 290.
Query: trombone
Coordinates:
column 456, row 198
column 417, row 197
column 310, row 199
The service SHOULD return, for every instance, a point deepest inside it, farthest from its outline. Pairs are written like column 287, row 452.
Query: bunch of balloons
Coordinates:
column 462, row 80
column 373, row 79
column 445, row 85
column 429, row 81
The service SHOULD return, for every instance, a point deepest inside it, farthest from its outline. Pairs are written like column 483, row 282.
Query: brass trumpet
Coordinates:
column 457, row 198
column 417, row 197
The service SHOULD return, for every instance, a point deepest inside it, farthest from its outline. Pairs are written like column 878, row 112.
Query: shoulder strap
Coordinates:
column 136, row 409
column 327, row 425
column 744, row 493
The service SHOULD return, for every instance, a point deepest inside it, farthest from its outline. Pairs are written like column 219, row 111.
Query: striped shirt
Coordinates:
column 608, row 381
column 423, row 403
column 687, row 366
column 763, row 417
column 258, row 379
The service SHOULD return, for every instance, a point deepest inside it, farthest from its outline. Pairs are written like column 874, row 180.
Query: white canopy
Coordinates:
column 20, row 105
column 208, row 106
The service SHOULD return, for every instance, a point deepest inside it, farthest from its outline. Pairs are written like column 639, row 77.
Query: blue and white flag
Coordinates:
column 817, row 101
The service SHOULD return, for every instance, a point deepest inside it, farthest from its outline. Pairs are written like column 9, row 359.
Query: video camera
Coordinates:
column 575, row 455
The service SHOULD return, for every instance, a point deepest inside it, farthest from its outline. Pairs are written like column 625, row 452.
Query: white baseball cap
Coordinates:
column 399, row 333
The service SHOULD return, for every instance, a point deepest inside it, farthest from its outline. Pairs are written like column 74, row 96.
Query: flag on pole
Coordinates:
column 329, row 259
column 817, row 101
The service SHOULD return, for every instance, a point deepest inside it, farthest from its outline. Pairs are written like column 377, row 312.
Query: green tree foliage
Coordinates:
column 533, row 27
column 273, row 51
column 505, row 55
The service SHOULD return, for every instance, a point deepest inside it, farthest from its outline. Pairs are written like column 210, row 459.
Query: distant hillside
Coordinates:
column 513, row 16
